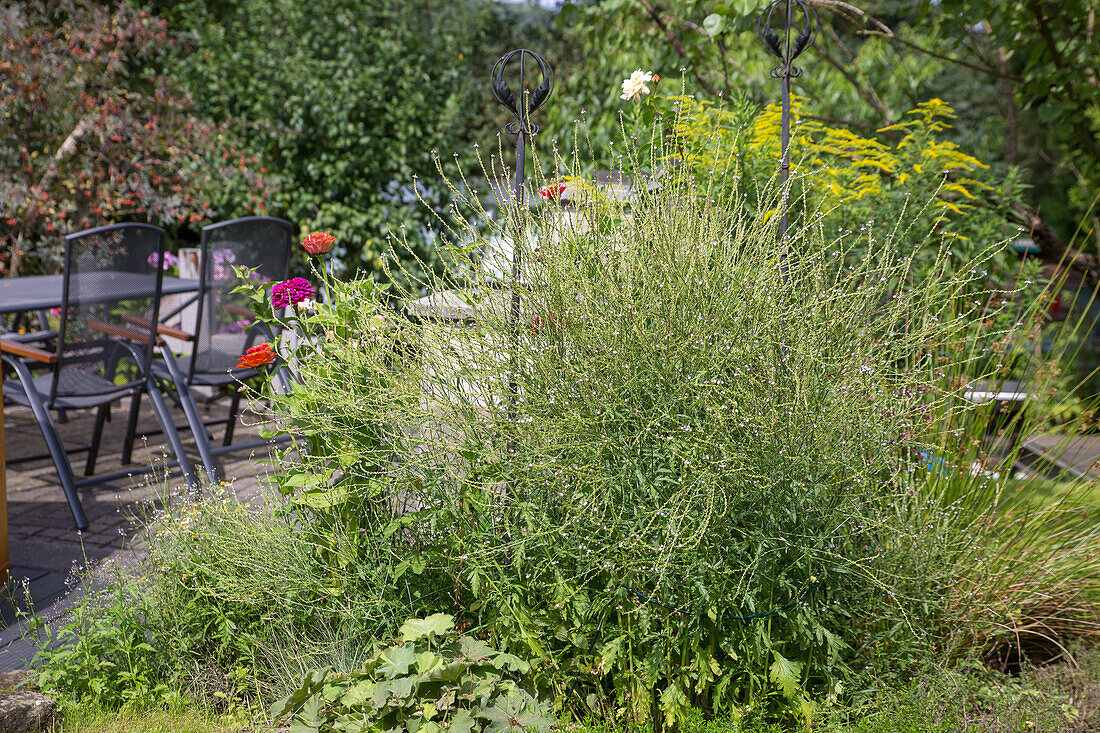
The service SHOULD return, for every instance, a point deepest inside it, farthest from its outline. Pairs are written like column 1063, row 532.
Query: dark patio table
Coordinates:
column 43, row 292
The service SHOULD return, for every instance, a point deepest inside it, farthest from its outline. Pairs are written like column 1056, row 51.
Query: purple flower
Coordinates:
column 224, row 256
column 236, row 327
column 222, row 261
column 292, row 291
column 170, row 260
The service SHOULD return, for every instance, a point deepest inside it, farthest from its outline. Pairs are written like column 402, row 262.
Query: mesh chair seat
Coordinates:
column 110, row 273
column 214, row 369
column 224, row 327
column 76, row 390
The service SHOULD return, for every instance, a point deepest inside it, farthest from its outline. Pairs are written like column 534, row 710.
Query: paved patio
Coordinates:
column 48, row 555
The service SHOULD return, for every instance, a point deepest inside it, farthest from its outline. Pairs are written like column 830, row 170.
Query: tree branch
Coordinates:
column 1043, row 235
column 68, row 147
column 677, row 45
column 850, row 12
column 867, row 93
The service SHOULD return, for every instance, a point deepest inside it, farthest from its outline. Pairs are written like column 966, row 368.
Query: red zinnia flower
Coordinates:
column 257, row 356
column 552, row 191
column 318, row 243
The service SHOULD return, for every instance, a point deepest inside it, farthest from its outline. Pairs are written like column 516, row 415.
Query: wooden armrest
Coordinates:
column 141, row 337
column 240, row 310
column 162, row 328
column 28, row 352
column 30, row 337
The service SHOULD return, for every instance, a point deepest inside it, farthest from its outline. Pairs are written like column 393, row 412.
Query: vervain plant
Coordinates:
column 664, row 458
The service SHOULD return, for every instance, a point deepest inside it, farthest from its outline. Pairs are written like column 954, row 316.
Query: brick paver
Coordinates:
column 45, row 548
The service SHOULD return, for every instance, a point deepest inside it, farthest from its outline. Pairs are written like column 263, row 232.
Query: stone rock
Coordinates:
column 22, row 711
column 15, row 678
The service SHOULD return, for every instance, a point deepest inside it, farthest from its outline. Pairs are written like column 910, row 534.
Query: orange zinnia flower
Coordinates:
column 318, row 243
column 256, row 356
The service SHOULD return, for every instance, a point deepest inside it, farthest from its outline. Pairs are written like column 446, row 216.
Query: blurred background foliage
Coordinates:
column 325, row 111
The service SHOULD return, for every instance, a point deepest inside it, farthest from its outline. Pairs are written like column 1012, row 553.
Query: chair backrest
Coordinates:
column 223, row 330
column 112, row 287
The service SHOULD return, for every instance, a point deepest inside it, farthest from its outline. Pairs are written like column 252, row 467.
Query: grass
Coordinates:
column 93, row 719
column 1051, row 493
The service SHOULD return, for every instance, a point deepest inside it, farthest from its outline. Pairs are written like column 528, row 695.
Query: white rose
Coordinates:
column 636, row 84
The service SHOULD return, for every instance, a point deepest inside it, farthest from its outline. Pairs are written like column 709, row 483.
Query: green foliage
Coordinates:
column 346, row 99
column 686, row 496
column 103, row 653
column 1022, row 76
column 434, row 680
column 91, row 135
column 968, row 698
column 690, row 466
column 847, row 180
column 222, row 583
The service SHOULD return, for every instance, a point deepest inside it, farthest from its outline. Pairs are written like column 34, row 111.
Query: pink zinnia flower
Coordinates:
column 292, row 291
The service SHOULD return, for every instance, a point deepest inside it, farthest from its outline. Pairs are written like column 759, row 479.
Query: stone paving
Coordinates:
column 48, row 555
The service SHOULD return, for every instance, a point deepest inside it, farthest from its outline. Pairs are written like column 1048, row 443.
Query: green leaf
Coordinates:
column 451, row 672
column 416, row 628
column 610, row 651
column 713, row 24
column 474, row 649
column 426, row 662
column 322, row 498
column 402, row 688
column 512, row 663
column 301, row 479
column 296, row 726
column 462, row 722
column 358, row 694
column 397, row 661
column 786, row 674
column 674, row 704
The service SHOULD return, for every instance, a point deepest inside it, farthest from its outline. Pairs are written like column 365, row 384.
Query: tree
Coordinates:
column 352, row 102
column 92, row 136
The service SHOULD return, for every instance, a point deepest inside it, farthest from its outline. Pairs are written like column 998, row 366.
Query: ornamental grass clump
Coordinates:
column 663, row 458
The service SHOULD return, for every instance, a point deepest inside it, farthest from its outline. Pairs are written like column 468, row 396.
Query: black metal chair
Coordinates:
column 101, row 356
column 225, row 327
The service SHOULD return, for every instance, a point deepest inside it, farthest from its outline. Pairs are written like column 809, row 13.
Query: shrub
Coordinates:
column 905, row 172
column 669, row 467
column 95, row 135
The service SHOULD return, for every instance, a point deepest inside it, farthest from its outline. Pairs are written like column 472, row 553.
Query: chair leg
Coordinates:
column 131, row 428
column 101, row 416
column 169, row 428
column 234, row 408
column 53, row 443
column 191, row 411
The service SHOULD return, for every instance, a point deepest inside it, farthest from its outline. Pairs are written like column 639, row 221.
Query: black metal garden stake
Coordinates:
column 522, row 128
column 786, row 51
